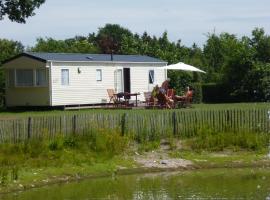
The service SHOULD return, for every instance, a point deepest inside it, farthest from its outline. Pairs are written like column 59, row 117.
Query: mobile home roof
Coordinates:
column 78, row 57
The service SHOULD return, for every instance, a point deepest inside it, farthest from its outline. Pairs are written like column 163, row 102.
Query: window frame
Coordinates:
column 12, row 82
column 68, row 77
column 16, row 78
column 99, row 79
column 36, row 78
column 11, row 72
column 151, row 78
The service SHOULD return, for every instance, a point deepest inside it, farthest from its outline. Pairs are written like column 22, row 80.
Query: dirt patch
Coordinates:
column 161, row 159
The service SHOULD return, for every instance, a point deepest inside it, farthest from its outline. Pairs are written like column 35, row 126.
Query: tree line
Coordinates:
column 238, row 69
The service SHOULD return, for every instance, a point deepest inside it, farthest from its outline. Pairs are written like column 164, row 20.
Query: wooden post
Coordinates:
column 29, row 129
column 74, row 124
column 228, row 124
column 174, row 122
column 123, row 124
column 60, row 125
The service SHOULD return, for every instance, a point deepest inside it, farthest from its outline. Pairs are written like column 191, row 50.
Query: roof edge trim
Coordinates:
column 121, row 62
column 26, row 55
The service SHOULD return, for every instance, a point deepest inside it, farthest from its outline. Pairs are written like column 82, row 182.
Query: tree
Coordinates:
column 257, row 82
column 19, row 10
column 109, row 38
column 261, row 44
column 8, row 49
column 73, row 45
column 213, row 57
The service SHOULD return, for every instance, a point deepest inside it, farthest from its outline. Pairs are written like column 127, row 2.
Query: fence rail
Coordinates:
column 181, row 122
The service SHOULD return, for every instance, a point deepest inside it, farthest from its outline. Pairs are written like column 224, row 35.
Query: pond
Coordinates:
column 197, row 184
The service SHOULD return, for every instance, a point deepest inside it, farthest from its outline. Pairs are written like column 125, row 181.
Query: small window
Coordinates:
column 41, row 79
column 65, row 77
column 24, row 77
column 151, row 76
column 11, row 78
column 99, row 75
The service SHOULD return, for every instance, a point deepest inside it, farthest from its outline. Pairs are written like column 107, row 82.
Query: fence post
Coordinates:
column 29, row 128
column 174, row 122
column 74, row 124
column 60, row 124
column 123, row 124
column 228, row 120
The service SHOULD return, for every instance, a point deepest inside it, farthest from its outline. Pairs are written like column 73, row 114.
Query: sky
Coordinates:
column 187, row 20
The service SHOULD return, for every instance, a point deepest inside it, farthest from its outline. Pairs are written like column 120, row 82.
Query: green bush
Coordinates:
column 207, row 139
column 70, row 142
column 197, row 98
column 108, row 141
column 54, row 145
column 214, row 93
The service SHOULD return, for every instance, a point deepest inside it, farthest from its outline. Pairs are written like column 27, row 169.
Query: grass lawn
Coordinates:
column 232, row 105
column 5, row 114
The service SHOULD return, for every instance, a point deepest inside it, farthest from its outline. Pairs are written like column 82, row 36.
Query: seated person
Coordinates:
column 165, row 86
column 187, row 97
column 159, row 97
column 154, row 94
column 163, row 99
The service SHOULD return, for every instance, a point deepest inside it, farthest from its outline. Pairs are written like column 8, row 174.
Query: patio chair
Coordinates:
column 147, row 97
column 112, row 97
column 186, row 100
column 149, row 100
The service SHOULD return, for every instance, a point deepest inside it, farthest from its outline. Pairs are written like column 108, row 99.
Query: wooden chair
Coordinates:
column 147, row 97
column 149, row 100
column 112, row 97
column 186, row 100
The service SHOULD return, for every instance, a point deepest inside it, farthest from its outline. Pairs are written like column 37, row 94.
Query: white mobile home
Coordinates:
column 60, row 79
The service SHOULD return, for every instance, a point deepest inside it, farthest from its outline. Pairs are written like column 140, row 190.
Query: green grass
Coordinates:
column 227, row 158
column 210, row 140
column 25, row 113
column 232, row 105
column 73, row 156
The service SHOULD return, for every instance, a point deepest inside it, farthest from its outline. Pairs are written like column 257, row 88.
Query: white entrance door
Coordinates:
column 118, row 80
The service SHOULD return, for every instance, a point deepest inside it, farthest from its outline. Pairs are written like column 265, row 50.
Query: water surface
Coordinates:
column 199, row 184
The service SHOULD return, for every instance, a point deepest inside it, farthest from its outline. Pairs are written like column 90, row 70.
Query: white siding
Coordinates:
column 140, row 79
column 83, row 87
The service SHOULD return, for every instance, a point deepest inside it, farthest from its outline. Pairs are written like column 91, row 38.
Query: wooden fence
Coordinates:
column 183, row 123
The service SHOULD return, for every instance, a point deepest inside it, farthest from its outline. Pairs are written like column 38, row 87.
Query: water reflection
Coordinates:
column 203, row 184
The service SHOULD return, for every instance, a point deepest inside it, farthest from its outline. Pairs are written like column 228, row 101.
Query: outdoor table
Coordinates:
column 127, row 96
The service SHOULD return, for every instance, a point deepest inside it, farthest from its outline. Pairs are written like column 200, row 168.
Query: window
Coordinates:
column 11, row 78
column 99, row 75
column 41, row 79
column 24, row 77
column 151, row 76
column 65, row 77
column 118, row 80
